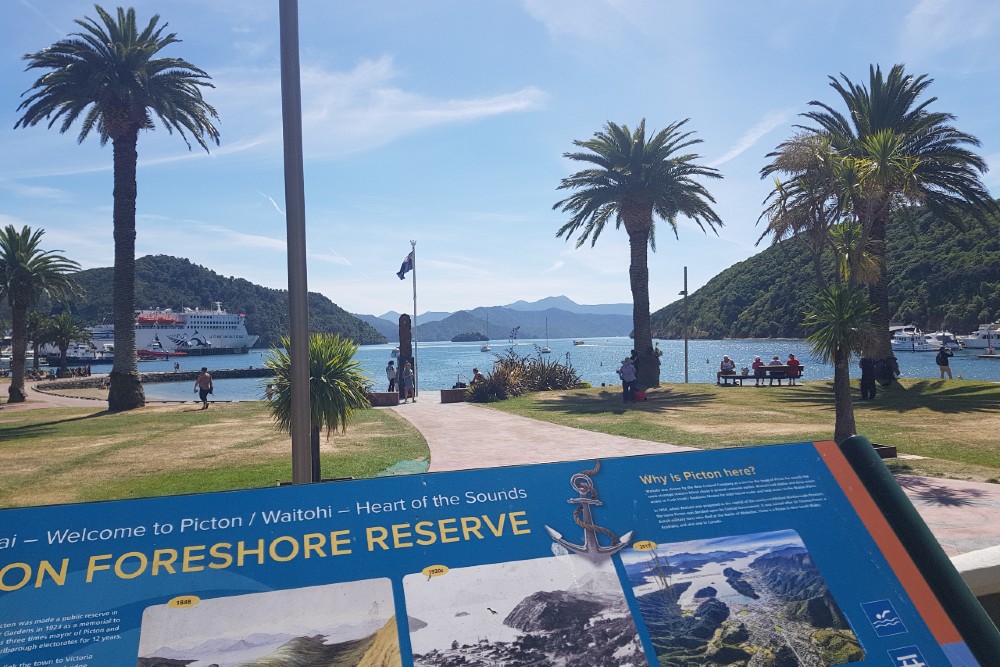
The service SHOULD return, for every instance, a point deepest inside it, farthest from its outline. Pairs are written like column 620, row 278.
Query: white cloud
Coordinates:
column 273, row 203
column 933, row 26
column 770, row 121
column 345, row 112
column 331, row 256
column 44, row 17
column 32, row 191
column 584, row 19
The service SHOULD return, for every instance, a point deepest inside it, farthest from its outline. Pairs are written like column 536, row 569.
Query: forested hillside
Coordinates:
column 940, row 277
column 171, row 282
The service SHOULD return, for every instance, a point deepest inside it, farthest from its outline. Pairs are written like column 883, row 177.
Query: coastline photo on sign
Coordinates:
column 340, row 624
column 735, row 597
column 548, row 611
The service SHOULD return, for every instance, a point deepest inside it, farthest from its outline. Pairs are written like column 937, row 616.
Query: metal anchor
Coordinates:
column 583, row 516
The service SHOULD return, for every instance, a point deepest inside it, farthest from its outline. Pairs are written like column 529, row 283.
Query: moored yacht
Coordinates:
column 945, row 339
column 911, row 339
column 988, row 335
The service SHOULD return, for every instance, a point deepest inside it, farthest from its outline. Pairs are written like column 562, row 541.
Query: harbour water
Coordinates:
column 442, row 364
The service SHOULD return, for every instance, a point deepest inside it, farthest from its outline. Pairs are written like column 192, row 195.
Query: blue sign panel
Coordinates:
column 683, row 558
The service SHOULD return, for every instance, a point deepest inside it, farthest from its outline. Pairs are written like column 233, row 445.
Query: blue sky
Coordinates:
column 445, row 121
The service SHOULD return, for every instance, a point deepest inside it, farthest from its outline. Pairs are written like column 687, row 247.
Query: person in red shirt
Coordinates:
column 758, row 373
column 793, row 368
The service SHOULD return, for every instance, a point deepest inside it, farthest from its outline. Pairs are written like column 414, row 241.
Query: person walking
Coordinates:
column 390, row 373
column 868, row 387
column 942, row 361
column 203, row 386
column 407, row 383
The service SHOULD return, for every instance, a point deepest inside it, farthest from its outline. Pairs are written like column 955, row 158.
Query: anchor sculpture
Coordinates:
column 583, row 516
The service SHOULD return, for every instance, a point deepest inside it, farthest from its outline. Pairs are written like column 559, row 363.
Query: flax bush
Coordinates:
column 515, row 374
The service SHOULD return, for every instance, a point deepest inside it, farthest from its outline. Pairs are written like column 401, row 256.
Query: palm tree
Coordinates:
column 904, row 155
column 337, row 387
column 26, row 272
column 109, row 74
column 34, row 331
column 811, row 199
column 840, row 318
column 61, row 330
column 635, row 181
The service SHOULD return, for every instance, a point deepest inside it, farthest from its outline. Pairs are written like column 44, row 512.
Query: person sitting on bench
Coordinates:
column 758, row 371
column 727, row 367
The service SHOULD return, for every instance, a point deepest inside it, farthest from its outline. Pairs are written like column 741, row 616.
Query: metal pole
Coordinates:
column 416, row 373
column 305, row 468
column 685, row 293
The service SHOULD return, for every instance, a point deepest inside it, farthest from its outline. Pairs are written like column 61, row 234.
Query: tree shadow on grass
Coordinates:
column 938, row 396
column 42, row 428
column 934, row 395
column 932, row 493
column 610, row 402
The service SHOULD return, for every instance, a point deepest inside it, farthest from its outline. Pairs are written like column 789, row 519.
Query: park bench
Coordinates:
column 779, row 373
column 726, row 378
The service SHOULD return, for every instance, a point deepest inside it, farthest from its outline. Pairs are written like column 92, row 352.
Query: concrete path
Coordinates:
column 41, row 399
column 465, row 435
column 964, row 516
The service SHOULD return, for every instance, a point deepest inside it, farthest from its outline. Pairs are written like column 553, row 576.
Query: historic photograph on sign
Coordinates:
column 341, row 624
column 549, row 611
column 736, row 600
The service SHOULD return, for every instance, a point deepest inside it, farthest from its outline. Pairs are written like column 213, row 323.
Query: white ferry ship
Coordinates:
column 193, row 331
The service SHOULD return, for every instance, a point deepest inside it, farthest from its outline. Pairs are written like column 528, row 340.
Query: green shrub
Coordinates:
column 514, row 374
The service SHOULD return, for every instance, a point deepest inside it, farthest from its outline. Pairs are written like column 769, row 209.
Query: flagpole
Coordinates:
column 413, row 329
column 305, row 461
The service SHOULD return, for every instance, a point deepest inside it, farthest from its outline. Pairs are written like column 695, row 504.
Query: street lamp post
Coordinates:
column 684, row 292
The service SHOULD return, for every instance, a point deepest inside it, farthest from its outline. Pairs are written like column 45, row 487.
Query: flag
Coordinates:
column 407, row 266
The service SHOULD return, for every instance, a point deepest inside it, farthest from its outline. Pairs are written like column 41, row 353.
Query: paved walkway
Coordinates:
column 964, row 516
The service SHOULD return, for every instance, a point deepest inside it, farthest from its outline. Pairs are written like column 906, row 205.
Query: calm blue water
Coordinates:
column 442, row 363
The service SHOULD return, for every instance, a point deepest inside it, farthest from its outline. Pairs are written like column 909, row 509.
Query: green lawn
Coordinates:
column 62, row 455
column 954, row 424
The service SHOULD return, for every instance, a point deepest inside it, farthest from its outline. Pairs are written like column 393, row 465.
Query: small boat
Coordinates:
column 988, row 335
column 395, row 351
column 485, row 347
column 545, row 349
column 911, row 339
column 156, row 351
column 579, row 342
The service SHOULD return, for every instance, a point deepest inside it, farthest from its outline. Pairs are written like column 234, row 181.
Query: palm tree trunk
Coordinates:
column 844, row 426
column 647, row 363
column 125, row 392
column 878, row 292
column 19, row 347
column 63, row 361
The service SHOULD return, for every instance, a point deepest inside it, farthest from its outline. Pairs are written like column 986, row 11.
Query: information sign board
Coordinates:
column 775, row 555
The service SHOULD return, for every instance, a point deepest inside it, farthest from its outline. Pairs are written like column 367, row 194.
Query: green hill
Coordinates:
column 171, row 282
column 940, row 277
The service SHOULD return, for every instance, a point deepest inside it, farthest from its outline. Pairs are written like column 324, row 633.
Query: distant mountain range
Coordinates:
column 563, row 317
